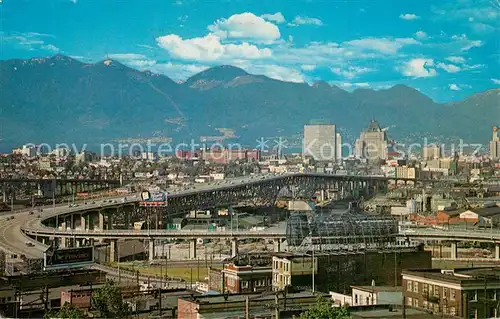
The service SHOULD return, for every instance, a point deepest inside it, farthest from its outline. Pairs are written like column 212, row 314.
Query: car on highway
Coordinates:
column 30, row 244
column 31, row 212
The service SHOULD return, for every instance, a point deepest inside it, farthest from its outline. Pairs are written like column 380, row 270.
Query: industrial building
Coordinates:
column 338, row 271
column 260, row 305
column 466, row 293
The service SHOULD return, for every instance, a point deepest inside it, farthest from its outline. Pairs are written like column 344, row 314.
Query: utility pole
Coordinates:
column 313, row 268
column 277, row 306
column 247, row 306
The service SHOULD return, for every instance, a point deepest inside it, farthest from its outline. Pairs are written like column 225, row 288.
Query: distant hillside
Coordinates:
column 59, row 99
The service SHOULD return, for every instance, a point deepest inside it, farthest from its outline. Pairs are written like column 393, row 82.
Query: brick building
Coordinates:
column 467, row 293
column 238, row 279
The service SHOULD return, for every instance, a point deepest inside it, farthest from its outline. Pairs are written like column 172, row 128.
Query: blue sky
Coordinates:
column 448, row 49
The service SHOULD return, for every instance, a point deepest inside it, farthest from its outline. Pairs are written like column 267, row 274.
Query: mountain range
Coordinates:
column 61, row 100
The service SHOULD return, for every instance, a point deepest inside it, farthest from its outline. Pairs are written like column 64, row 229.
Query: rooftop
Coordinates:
column 459, row 275
column 233, row 298
column 379, row 288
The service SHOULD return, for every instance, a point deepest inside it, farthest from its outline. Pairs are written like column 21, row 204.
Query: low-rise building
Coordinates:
column 234, row 305
column 338, row 271
column 238, row 279
column 466, row 292
column 377, row 295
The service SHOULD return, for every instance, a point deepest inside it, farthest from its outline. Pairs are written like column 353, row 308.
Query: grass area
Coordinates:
column 176, row 272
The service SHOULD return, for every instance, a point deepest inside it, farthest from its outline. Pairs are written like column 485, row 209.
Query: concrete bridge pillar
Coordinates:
column 234, row 247
column 192, row 248
column 277, row 245
column 83, row 224
column 497, row 251
column 112, row 250
column 101, row 220
column 110, row 221
column 62, row 242
column 151, row 250
column 454, row 250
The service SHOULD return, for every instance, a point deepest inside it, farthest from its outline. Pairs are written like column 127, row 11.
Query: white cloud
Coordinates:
column 209, row 48
column 419, row 68
column 299, row 20
column 351, row 72
column 276, row 72
column 50, row 47
column 347, row 85
column 454, row 87
column 383, row 45
column 276, row 17
column 177, row 72
column 456, row 59
column 73, row 1
column 496, row 81
column 308, row 67
column 409, row 16
column 421, row 35
column 450, row 68
column 465, row 43
column 141, row 64
column 245, row 26
column 126, row 56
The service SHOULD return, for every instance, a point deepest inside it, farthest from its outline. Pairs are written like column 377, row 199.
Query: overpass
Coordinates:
column 54, row 186
column 453, row 237
column 25, row 227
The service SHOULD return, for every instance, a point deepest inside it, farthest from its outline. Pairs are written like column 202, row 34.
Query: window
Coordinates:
column 425, row 288
column 416, row 303
column 356, row 299
column 424, row 304
column 415, row 287
column 408, row 285
column 436, row 291
column 367, row 300
column 445, row 293
column 453, row 311
column 431, row 290
column 244, row 284
column 409, row 301
column 452, row 294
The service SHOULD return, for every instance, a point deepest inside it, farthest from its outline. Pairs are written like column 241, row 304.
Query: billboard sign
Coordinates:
column 55, row 258
column 153, row 199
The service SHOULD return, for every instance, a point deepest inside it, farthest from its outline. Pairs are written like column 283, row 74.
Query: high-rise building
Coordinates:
column 495, row 144
column 372, row 143
column 319, row 142
column 338, row 140
column 431, row 152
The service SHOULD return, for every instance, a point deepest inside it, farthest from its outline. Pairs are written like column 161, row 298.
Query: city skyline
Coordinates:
column 447, row 51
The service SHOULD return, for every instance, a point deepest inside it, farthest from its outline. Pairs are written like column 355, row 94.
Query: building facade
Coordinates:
column 466, row 293
column 338, row 271
column 495, row 145
column 240, row 279
column 320, row 142
column 372, row 143
column 431, row 152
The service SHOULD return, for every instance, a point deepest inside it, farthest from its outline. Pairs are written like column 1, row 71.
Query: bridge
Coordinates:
column 74, row 225
column 54, row 186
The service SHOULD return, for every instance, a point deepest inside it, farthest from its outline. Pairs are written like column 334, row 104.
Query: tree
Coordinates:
column 108, row 301
column 324, row 310
column 67, row 311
